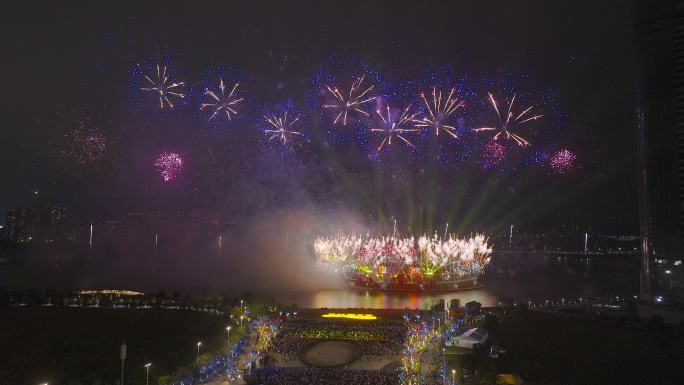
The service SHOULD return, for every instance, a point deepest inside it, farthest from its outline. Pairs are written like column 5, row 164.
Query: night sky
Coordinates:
column 572, row 59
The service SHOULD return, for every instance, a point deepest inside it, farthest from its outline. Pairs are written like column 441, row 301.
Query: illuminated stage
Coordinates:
column 393, row 263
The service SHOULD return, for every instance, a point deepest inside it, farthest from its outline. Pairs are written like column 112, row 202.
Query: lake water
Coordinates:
column 524, row 278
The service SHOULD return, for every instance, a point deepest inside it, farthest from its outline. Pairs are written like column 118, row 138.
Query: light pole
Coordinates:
column 241, row 302
column 122, row 350
column 147, row 374
column 228, row 330
column 198, row 346
column 241, row 318
column 453, row 376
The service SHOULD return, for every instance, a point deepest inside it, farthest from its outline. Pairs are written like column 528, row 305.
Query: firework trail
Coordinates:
column 562, row 162
column 162, row 86
column 220, row 101
column 395, row 127
column 169, row 165
column 353, row 101
column 440, row 109
column 282, row 128
column 508, row 122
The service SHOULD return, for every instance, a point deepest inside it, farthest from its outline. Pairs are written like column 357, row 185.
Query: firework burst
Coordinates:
column 395, row 127
column 509, row 122
column 222, row 102
column 440, row 109
column 169, row 165
column 387, row 260
column 353, row 101
column 283, row 128
column 492, row 155
column 562, row 161
column 84, row 143
column 161, row 85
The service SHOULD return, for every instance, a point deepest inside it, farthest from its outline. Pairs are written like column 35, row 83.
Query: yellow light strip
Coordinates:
column 364, row 317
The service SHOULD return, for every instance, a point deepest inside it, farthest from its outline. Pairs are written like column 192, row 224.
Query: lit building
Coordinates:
column 660, row 125
column 22, row 224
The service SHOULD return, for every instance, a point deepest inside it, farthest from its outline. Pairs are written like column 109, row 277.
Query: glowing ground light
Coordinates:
column 382, row 260
column 440, row 109
column 361, row 317
column 562, row 162
column 352, row 101
column 395, row 127
column 161, row 85
column 506, row 124
column 283, row 128
column 169, row 165
column 222, row 102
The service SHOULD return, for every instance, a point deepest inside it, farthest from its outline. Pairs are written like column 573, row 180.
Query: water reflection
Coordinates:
column 524, row 278
column 380, row 300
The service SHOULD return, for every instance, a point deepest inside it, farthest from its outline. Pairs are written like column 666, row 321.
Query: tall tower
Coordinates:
column 659, row 30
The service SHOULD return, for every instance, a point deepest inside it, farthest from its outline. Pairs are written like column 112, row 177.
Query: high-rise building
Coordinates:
column 660, row 124
column 22, row 224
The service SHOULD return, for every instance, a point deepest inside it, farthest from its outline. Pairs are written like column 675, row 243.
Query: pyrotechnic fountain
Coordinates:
column 405, row 263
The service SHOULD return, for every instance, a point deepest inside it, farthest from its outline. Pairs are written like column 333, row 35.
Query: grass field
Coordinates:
column 548, row 349
column 81, row 346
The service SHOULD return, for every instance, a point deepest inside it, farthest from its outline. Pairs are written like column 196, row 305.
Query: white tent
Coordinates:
column 470, row 338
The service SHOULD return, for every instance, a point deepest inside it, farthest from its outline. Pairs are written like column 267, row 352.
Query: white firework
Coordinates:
column 222, row 102
column 509, row 122
column 283, row 128
column 439, row 112
column 162, row 86
column 353, row 101
column 382, row 259
column 395, row 127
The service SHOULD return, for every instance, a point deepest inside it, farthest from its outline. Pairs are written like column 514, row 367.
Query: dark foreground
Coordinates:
column 551, row 349
column 81, row 346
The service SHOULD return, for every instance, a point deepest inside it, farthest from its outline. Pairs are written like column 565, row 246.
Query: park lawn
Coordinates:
column 549, row 349
column 81, row 346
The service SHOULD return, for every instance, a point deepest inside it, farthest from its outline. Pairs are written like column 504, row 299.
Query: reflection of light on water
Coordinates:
column 340, row 299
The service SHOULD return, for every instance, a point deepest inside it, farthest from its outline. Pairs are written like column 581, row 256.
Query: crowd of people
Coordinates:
column 319, row 376
column 376, row 339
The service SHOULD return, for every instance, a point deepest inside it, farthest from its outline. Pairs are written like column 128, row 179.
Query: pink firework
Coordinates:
column 169, row 165
column 83, row 142
column 493, row 154
column 562, row 162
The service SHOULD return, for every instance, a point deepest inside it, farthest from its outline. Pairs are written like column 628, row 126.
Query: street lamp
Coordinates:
column 198, row 346
column 147, row 374
column 241, row 318
column 453, row 376
column 228, row 330
column 241, row 302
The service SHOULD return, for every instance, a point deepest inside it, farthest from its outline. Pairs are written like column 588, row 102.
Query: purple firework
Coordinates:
column 169, row 165
column 492, row 155
column 562, row 162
